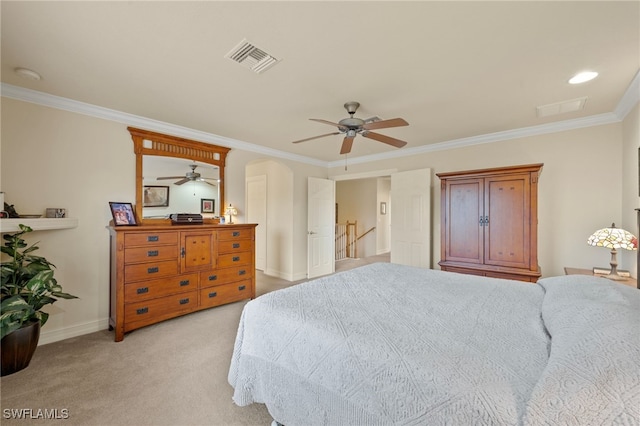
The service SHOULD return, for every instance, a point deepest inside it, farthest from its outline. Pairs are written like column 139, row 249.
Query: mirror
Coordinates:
column 176, row 175
column 172, row 185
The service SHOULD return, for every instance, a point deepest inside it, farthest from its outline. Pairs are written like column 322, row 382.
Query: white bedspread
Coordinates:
column 393, row 345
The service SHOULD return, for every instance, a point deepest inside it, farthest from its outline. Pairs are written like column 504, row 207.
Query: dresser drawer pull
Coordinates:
column 236, row 233
column 184, row 283
column 236, row 245
column 142, row 290
column 236, row 258
column 213, row 277
column 184, row 301
column 153, row 270
column 152, row 253
column 152, row 238
column 142, row 311
column 242, row 272
column 242, row 287
column 213, row 294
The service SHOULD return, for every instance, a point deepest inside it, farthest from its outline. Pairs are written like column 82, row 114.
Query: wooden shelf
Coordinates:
column 40, row 224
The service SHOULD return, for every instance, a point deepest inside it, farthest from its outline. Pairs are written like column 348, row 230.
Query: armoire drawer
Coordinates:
column 151, row 289
column 150, row 239
column 154, row 310
column 235, row 259
column 150, row 254
column 226, row 275
column 219, row 295
column 150, row 270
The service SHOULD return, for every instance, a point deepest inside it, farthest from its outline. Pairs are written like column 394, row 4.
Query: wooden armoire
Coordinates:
column 489, row 222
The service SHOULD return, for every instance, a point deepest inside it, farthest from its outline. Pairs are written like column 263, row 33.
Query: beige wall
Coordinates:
column 49, row 157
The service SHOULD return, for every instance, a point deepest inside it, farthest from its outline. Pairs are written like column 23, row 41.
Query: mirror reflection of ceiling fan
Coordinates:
column 353, row 126
column 191, row 176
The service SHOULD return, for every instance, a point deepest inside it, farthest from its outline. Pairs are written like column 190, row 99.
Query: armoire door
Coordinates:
column 507, row 220
column 463, row 231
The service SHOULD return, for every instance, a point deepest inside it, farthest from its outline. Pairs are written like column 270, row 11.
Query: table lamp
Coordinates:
column 613, row 238
column 231, row 212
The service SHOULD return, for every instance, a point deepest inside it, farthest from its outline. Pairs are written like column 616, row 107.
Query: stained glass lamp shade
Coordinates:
column 613, row 238
column 231, row 212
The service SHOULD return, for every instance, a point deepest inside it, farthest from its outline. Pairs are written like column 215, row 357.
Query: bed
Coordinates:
column 387, row 344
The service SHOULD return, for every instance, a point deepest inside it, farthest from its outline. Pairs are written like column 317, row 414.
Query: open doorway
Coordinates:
column 363, row 211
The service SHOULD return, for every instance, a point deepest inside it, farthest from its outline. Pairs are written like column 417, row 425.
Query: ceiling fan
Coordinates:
column 353, row 126
column 191, row 176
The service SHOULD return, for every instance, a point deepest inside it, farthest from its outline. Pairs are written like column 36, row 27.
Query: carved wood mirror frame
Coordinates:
column 151, row 143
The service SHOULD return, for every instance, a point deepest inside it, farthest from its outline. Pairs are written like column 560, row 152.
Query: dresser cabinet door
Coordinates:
column 197, row 250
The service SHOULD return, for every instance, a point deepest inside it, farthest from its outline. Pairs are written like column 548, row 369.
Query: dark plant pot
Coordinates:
column 18, row 347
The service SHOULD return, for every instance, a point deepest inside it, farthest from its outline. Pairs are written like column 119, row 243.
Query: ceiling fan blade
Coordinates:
column 170, row 177
column 384, row 139
column 181, row 181
column 330, row 123
column 316, row 137
column 383, row 124
column 346, row 144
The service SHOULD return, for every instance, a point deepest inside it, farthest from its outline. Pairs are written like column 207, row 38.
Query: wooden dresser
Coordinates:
column 489, row 222
column 164, row 271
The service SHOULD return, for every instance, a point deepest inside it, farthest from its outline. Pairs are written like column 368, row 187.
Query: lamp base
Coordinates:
column 615, row 277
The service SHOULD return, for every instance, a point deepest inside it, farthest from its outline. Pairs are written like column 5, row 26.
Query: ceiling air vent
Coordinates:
column 249, row 56
column 561, row 107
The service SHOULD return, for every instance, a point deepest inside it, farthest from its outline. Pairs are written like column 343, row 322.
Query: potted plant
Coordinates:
column 27, row 285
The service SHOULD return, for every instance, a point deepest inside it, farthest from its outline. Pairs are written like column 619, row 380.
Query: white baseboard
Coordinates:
column 73, row 331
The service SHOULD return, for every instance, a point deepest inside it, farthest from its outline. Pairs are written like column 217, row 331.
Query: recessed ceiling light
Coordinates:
column 583, row 77
column 27, row 73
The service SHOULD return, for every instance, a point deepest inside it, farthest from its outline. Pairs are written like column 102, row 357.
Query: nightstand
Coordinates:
column 631, row 282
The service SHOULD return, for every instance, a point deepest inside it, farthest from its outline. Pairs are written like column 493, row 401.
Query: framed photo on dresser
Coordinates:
column 122, row 214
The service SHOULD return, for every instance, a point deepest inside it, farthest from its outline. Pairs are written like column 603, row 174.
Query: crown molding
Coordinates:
column 630, row 98
column 594, row 120
column 58, row 102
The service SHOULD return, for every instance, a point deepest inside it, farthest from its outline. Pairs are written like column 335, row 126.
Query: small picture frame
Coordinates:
column 155, row 196
column 123, row 214
column 207, row 205
column 56, row 213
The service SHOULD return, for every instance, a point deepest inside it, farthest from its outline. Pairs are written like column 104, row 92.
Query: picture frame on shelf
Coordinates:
column 207, row 205
column 155, row 196
column 122, row 213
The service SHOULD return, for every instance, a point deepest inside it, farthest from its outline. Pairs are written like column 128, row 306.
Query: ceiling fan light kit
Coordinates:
column 353, row 126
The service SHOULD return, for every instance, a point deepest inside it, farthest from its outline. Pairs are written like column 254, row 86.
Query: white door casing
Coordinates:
column 411, row 218
column 320, row 227
column 256, row 190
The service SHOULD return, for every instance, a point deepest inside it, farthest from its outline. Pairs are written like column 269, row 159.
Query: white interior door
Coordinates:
column 257, row 213
column 411, row 218
column 321, row 227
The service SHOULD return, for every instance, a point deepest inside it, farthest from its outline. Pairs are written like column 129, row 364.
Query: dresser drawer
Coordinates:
column 150, row 238
column 235, row 234
column 150, row 270
column 235, row 259
column 150, row 289
column 232, row 246
column 224, row 276
column 219, row 295
column 154, row 310
column 150, row 254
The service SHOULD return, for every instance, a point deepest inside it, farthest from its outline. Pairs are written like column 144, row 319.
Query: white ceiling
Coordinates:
column 452, row 69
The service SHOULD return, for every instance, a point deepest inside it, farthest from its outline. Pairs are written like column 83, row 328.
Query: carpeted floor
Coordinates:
column 172, row 373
